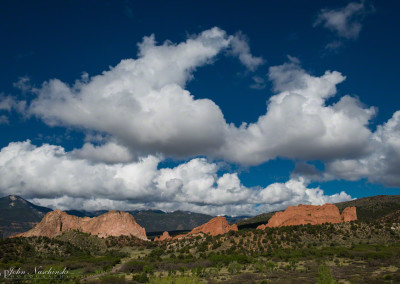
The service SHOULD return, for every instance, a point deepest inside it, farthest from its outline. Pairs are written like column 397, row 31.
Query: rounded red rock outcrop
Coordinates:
column 310, row 214
column 216, row 226
column 112, row 223
column 349, row 214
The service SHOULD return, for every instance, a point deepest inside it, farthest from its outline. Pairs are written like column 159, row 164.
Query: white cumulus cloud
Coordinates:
column 143, row 102
column 382, row 165
column 241, row 49
column 142, row 108
column 143, row 105
column 53, row 177
column 346, row 22
column 110, row 152
column 298, row 124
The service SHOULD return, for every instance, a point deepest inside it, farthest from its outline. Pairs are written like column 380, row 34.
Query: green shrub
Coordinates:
column 156, row 252
column 259, row 267
column 133, row 266
column 388, row 277
column 148, row 269
column 175, row 280
column 270, row 265
column 234, row 267
column 214, row 272
column 226, row 259
column 325, row 275
column 141, row 278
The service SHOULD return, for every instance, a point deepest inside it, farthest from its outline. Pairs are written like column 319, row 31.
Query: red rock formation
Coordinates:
column 181, row 236
column 164, row 237
column 262, row 227
column 53, row 224
column 349, row 214
column 112, row 223
column 214, row 227
column 310, row 214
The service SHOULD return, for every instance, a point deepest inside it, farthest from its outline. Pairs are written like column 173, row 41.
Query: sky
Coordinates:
column 219, row 107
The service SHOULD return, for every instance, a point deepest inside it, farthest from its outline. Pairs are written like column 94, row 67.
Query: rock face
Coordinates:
column 349, row 214
column 164, row 237
column 214, row 227
column 112, row 223
column 310, row 214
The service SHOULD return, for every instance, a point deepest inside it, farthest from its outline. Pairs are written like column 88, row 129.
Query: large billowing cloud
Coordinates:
column 382, row 165
column 143, row 105
column 143, row 102
column 143, row 113
column 298, row 123
column 51, row 176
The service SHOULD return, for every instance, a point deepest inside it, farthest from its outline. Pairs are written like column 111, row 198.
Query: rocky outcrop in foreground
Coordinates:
column 310, row 214
column 112, row 223
column 214, row 227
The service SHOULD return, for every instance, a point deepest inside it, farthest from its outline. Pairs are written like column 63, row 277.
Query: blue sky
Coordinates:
column 123, row 142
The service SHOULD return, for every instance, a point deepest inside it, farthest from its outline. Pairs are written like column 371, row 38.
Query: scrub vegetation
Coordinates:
column 354, row 252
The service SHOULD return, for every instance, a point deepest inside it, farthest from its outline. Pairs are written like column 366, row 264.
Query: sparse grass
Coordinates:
column 174, row 280
column 325, row 275
column 357, row 251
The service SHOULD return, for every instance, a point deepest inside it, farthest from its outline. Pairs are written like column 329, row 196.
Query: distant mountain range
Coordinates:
column 17, row 215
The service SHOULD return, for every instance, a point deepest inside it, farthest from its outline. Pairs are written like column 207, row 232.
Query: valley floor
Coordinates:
column 356, row 252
